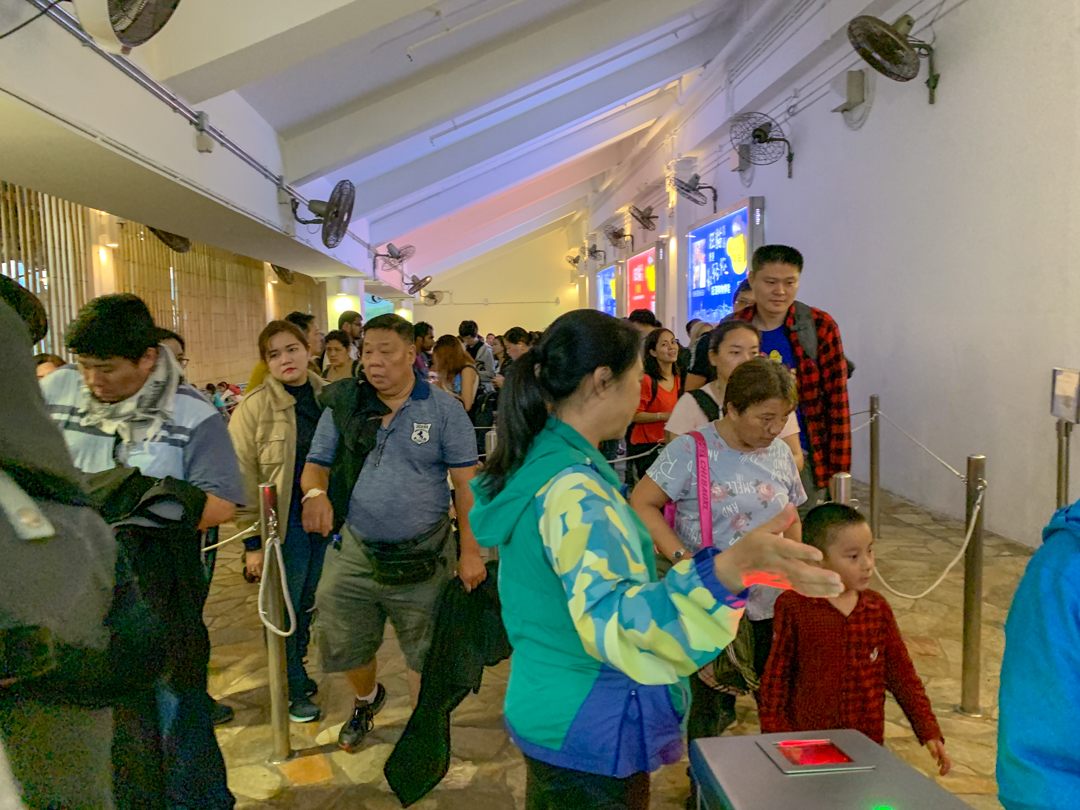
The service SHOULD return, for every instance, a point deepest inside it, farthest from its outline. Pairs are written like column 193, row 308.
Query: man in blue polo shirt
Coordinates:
column 376, row 480
column 125, row 404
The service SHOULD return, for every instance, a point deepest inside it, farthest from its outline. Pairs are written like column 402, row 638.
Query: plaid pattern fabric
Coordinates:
column 823, row 397
column 827, row 670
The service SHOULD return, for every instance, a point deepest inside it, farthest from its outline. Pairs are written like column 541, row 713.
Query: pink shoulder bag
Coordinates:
column 704, row 492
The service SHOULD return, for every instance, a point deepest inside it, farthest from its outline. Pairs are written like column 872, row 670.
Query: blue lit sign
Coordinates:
column 606, row 297
column 718, row 256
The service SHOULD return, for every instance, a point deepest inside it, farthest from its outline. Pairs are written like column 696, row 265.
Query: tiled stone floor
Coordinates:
column 487, row 772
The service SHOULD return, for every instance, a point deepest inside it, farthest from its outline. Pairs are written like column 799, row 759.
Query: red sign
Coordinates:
column 641, row 281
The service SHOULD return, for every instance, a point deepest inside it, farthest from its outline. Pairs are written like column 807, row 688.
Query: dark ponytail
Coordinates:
column 577, row 344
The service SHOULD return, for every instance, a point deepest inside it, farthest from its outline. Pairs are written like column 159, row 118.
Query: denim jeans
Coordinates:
column 194, row 768
column 303, row 555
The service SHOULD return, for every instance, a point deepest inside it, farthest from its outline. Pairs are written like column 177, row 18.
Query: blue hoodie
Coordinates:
column 1038, row 766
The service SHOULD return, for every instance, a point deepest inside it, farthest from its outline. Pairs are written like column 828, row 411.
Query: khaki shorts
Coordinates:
column 353, row 608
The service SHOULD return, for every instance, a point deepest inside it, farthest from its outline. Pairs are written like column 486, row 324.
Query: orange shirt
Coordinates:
column 653, row 432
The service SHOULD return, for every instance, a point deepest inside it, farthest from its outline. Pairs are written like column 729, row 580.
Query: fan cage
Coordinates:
column 884, row 48
column 136, row 21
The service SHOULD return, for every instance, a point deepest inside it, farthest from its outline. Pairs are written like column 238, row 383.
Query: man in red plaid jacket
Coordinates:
column 823, row 397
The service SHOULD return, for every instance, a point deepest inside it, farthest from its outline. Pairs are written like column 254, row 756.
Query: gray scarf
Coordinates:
column 140, row 417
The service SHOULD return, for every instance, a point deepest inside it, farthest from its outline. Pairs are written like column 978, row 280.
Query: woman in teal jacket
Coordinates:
column 597, row 687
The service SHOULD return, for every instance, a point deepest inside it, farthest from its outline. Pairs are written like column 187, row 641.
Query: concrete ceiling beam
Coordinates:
column 209, row 48
column 577, row 106
column 487, row 73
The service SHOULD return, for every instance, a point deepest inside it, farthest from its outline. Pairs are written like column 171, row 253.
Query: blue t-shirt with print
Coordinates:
column 747, row 490
column 776, row 346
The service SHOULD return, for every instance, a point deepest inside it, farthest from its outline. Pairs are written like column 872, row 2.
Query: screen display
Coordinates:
column 641, row 281
column 607, row 298
column 812, row 752
column 718, row 260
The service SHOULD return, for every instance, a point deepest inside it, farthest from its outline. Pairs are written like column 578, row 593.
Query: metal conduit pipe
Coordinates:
column 174, row 102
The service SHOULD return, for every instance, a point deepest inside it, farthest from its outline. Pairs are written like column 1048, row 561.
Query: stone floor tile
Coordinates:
column 255, row 781
column 364, row 766
column 313, row 769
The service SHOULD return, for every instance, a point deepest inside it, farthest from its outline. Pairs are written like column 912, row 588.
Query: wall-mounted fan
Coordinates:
column 333, row 214
column 393, row 261
column 574, row 259
column 181, row 244
column 430, row 299
column 644, row 217
column 761, row 139
column 691, row 190
column 597, row 253
column 284, row 273
column 117, row 26
column 416, row 284
column 891, row 50
column 618, row 237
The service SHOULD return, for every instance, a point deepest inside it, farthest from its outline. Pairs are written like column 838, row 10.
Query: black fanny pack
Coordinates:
column 409, row 562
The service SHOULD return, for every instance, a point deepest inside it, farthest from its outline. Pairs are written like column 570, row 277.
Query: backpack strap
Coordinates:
column 704, row 488
column 706, row 403
column 806, row 330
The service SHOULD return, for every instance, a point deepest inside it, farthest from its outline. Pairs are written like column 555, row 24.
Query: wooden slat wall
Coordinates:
column 215, row 299
column 305, row 294
column 43, row 247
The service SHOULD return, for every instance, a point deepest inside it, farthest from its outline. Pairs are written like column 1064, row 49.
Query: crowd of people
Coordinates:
column 712, row 566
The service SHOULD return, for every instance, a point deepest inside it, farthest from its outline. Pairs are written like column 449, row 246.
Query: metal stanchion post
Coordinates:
column 275, row 644
column 840, row 488
column 1064, row 434
column 875, row 465
column 973, row 570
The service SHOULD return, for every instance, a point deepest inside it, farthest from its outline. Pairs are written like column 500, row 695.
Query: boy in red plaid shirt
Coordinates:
column 832, row 659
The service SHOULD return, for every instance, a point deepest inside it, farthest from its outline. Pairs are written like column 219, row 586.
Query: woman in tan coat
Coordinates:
column 272, row 430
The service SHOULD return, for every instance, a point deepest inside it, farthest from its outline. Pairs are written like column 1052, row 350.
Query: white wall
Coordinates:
column 945, row 242
column 943, row 239
column 530, row 270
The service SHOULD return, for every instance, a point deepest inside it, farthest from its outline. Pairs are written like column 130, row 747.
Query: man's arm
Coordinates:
column 210, row 464
column 216, row 512
column 318, row 514
column 471, row 567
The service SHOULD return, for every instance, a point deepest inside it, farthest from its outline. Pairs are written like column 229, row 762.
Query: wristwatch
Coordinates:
column 678, row 555
column 312, row 493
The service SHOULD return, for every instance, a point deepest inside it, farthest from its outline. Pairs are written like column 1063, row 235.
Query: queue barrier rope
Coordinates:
column 970, row 529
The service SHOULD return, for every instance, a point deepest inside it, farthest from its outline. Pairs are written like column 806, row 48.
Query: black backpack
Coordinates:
column 706, row 403
column 806, row 334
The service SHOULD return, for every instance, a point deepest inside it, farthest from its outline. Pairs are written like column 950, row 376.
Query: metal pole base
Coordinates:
column 292, row 755
column 977, row 714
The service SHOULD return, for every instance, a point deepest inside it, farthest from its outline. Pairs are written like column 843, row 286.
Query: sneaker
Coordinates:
column 310, row 688
column 361, row 722
column 220, row 713
column 303, row 710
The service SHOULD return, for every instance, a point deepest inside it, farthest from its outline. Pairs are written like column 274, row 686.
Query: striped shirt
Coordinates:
column 193, row 446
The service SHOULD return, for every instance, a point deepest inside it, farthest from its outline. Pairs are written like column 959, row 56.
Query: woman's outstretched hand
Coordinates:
column 763, row 556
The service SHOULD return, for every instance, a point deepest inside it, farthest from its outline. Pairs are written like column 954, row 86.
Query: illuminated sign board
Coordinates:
column 719, row 259
column 607, row 296
column 641, row 281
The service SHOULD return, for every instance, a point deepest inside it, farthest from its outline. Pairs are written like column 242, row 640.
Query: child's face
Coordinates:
column 851, row 555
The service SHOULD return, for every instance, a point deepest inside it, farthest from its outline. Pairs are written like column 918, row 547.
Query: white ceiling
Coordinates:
column 495, row 117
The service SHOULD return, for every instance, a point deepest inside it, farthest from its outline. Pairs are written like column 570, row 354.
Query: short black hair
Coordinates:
column 776, row 254
column 690, row 324
column 518, row 335
column 113, row 326
column 820, row 524
column 27, row 306
column 744, row 286
column 646, row 317
column 168, row 334
column 341, row 337
column 55, row 359
column 468, row 329
column 300, row 319
column 422, row 329
column 392, row 323
column 348, row 316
